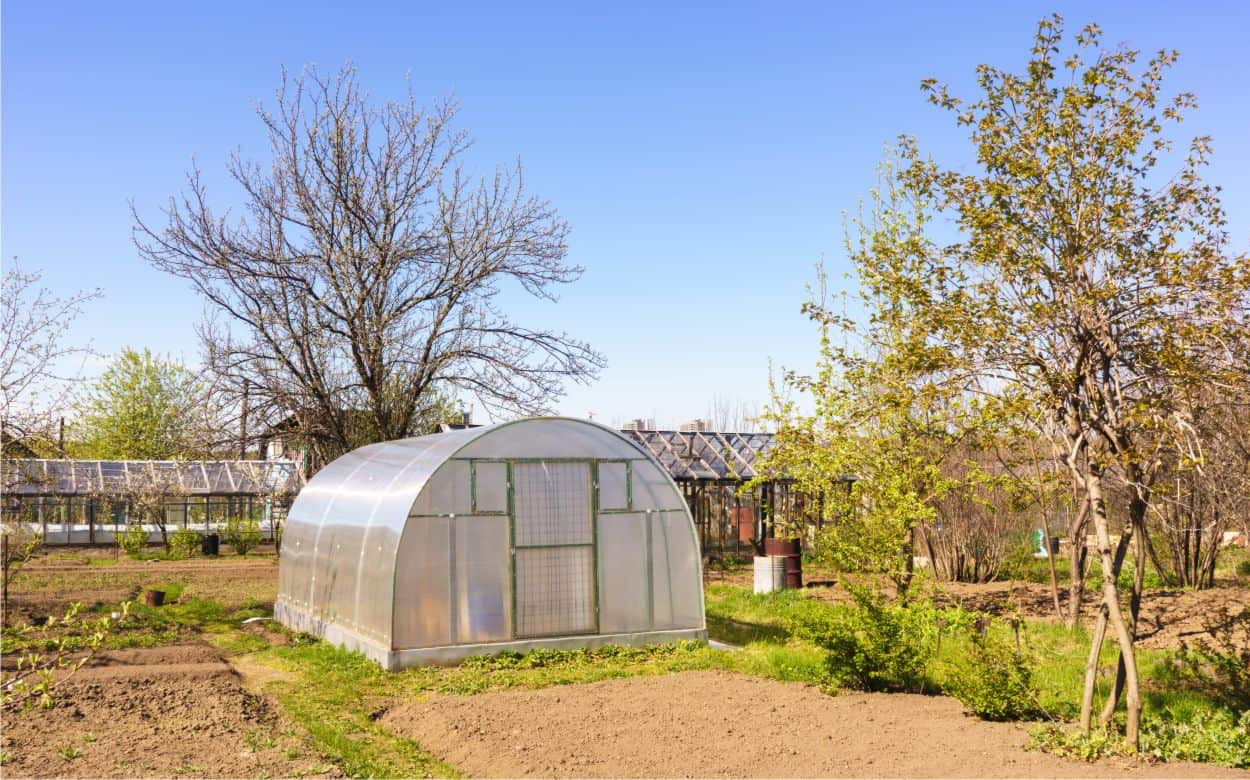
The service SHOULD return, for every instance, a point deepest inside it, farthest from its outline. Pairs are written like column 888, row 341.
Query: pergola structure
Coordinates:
column 711, row 468
column 86, row 501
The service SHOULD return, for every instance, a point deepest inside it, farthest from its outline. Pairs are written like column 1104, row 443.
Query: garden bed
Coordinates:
column 717, row 724
column 156, row 712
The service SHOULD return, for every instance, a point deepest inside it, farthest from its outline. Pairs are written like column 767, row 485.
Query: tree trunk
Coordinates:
column 1111, row 602
column 1137, row 515
column 1077, row 563
column 1041, row 508
column 1091, row 671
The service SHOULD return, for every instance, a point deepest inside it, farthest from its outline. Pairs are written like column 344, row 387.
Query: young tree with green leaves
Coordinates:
column 1085, row 282
column 143, row 407
column 887, row 407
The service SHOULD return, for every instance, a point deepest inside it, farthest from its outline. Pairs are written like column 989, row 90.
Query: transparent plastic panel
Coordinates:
column 376, row 578
column 295, row 563
column 86, row 475
column 554, row 591
column 402, row 469
column 613, row 482
column 345, row 563
column 447, row 492
column 334, row 571
column 623, row 577
column 423, row 584
column 653, row 489
column 551, row 502
column 663, row 590
column 483, row 598
column 684, row 568
column 491, row 485
column 324, row 498
column 550, row 438
column 196, row 479
column 218, row 478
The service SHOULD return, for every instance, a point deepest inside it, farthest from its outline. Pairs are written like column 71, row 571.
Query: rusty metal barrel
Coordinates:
column 792, row 551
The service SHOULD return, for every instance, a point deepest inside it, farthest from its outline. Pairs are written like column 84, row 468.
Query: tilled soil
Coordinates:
column 155, row 712
column 46, row 586
column 717, row 724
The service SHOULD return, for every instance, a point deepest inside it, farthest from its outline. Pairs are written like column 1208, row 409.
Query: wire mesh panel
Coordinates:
column 552, row 503
column 554, row 591
column 553, row 538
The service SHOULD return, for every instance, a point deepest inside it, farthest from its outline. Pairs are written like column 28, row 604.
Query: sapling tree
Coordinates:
column 19, row 542
column 887, row 405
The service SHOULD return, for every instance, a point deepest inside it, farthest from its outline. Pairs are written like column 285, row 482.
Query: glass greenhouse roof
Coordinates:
column 185, row 477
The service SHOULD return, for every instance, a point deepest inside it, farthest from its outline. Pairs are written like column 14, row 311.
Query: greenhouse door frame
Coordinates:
column 592, row 508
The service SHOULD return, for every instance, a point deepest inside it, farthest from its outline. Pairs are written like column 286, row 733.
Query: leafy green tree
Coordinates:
column 887, row 406
column 143, row 407
column 1084, row 282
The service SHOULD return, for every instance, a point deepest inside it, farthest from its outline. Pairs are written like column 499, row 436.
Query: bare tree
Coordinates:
column 19, row 542
column 34, row 354
column 148, row 489
column 977, row 517
column 1198, row 499
column 360, row 285
column 730, row 414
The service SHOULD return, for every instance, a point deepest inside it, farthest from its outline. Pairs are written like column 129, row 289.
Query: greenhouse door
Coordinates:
column 553, row 549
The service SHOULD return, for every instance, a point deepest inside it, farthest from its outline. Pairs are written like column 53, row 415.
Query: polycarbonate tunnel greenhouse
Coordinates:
column 549, row 532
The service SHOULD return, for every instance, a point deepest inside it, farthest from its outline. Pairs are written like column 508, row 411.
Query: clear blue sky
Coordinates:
column 703, row 155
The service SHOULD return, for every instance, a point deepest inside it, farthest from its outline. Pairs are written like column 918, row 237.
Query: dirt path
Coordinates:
column 715, row 724
column 178, row 710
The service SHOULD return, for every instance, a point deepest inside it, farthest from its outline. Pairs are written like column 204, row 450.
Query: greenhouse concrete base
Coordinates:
column 393, row 660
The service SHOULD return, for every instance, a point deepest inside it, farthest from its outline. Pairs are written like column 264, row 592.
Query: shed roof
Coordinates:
column 705, row 454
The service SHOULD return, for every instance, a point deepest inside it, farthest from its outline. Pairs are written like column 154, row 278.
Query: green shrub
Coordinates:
column 1210, row 736
column 242, row 534
column 1220, row 666
column 1243, row 569
column 184, row 543
column 1213, row 737
column 133, row 539
column 871, row 645
column 995, row 681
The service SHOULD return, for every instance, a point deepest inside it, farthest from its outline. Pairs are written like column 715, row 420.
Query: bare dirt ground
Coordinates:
column 178, row 710
column 48, row 584
column 715, row 724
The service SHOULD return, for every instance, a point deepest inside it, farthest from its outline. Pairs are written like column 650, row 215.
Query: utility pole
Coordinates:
column 243, row 424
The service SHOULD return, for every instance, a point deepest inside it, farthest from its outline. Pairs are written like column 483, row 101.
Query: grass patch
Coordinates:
column 334, row 698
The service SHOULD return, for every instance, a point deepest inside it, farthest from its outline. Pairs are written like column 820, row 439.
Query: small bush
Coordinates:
column 184, row 543
column 1243, row 570
column 871, row 646
column 995, row 681
column 133, row 539
column 1210, row 736
column 1220, row 666
column 242, row 534
column 1072, row 744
